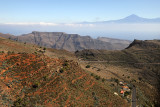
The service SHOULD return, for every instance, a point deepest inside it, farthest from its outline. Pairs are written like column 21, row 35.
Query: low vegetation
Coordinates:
column 31, row 78
column 138, row 64
column 88, row 66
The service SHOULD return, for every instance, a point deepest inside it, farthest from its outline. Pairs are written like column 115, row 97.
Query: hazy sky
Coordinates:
column 24, row 16
column 69, row 11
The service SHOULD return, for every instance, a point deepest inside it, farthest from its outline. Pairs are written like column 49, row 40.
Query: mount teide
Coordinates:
column 70, row 42
column 129, row 19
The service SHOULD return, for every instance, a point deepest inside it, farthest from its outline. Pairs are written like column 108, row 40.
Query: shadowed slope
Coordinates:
column 139, row 64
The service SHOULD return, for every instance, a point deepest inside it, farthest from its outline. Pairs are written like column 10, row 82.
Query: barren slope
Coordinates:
column 34, row 79
column 139, row 64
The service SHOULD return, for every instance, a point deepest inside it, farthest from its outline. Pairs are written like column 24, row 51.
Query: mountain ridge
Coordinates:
column 70, row 42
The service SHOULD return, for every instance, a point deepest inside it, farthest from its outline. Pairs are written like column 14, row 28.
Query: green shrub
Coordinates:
column 44, row 48
column 65, row 63
column 127, row 93
column 9, row 52
column 93, row 93
column 133, row 80
column 88, row 66
column 61, row 70
column 97, row 77
column 35, row 85
column 45, row 78
column 19, row 103
column 92, row 74
column 1, row 51
column 103, row 79
column 116, row 80
column 98, row 69
column 140, row 78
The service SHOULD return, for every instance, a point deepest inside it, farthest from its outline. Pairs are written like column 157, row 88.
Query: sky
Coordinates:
column 69, row 11
column 22, row 16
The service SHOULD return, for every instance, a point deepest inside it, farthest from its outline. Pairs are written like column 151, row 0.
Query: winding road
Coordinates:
column 158, row 63
column 133, row 103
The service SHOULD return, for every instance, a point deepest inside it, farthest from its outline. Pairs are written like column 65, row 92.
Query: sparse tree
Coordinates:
column 103, row 79
column 44, row 48
column 117, row 81
column 88, row 66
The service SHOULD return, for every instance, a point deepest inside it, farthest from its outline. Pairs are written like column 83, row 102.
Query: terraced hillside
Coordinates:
column 35, row 79
column 28, row 80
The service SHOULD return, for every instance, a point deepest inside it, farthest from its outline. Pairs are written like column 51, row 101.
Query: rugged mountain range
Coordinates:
column 129, row 19
column 70, row 42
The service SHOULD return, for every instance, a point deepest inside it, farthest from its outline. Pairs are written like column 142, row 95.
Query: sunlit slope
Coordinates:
column 30, row 77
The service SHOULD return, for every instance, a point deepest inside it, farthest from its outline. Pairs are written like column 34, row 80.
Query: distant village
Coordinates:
column 124, row 90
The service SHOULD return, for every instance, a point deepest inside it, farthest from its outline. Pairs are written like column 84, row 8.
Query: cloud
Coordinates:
column 27, row 23
column 51, row 24
column 116, row 30
column 111, row 27
column 129, row 27
column 79, row 25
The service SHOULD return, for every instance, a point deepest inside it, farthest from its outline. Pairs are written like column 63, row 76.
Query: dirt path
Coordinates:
column 89, row 86
column 123, row 62
column 78, row 78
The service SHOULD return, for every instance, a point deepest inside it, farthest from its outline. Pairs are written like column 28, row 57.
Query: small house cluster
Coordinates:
column 124, row 88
